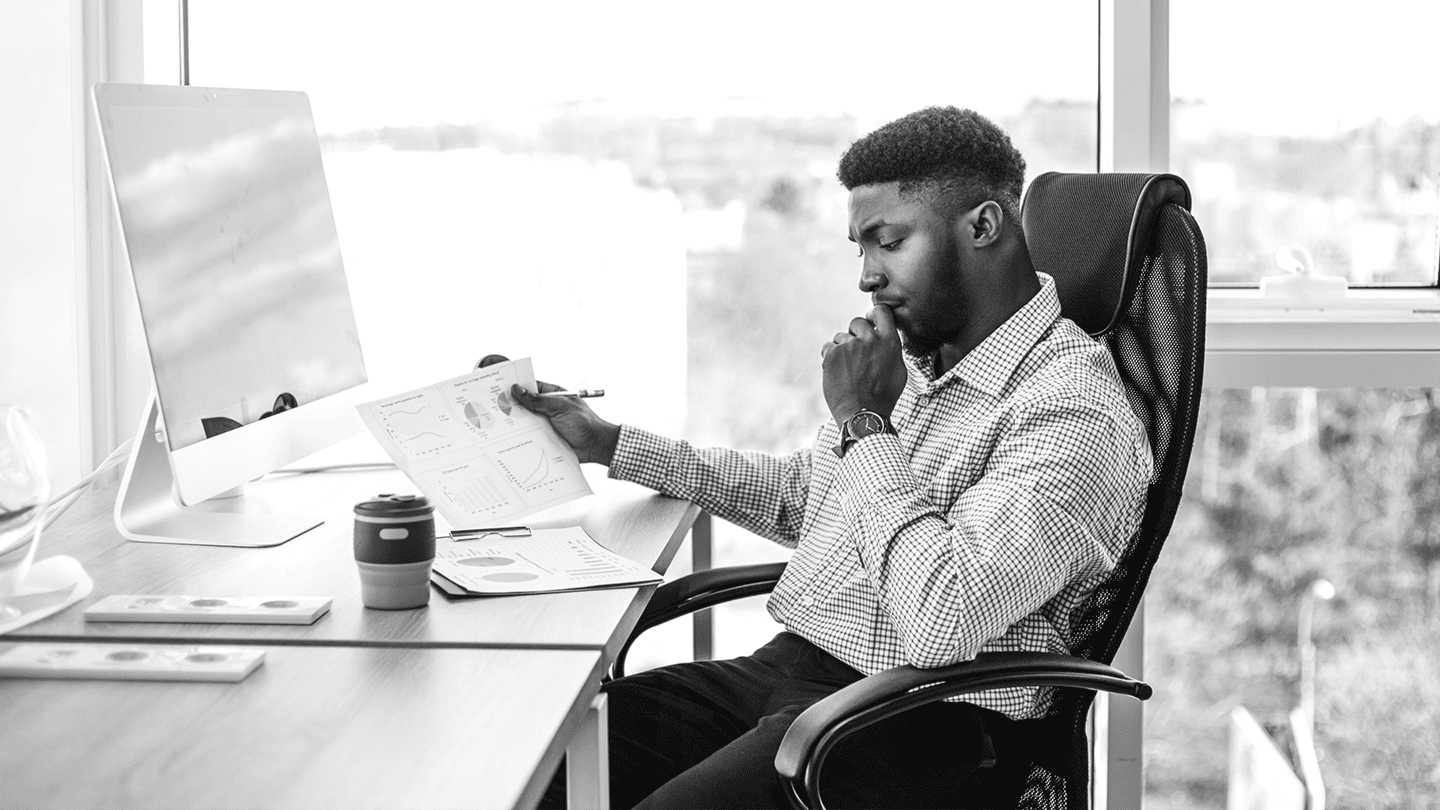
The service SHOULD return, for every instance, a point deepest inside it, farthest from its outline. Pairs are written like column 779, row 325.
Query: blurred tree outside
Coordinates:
column 1287, row 486
column 1363, row 202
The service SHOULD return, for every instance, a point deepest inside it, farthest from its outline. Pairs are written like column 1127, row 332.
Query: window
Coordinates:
column 1304, row 123
column 1286, row 487
column 640, row 195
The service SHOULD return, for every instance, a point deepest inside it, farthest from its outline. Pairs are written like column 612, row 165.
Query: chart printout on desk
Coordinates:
column 563, row 559
column 477, row 456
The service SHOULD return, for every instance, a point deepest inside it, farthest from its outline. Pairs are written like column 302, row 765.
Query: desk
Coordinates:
column 467, row 702
column 630, row 520
column 332, row 727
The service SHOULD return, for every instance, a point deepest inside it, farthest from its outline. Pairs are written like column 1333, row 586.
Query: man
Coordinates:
column 980, row 475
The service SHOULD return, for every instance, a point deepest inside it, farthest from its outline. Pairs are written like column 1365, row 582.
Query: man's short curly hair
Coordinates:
column 952, row 158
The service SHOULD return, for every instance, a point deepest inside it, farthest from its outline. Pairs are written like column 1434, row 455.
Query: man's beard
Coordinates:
column 917, row 348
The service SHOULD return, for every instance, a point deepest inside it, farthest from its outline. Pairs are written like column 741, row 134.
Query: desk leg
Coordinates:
column 702, row 534
column 587, row 761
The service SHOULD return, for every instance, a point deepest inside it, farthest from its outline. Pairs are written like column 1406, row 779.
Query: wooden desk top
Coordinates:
column 630, row 520
column 313, row 727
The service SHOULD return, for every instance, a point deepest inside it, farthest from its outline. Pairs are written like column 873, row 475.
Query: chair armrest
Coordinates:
column 698, row 591
column 817, row 730
column 703, row 589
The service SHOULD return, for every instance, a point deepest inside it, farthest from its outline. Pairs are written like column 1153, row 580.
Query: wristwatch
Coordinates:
column 857, row 427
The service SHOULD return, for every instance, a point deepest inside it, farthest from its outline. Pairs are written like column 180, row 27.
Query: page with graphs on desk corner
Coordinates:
column 565, row 559
column 477, row 456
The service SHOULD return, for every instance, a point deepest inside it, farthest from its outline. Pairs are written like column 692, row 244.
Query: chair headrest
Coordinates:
column 1091, row 232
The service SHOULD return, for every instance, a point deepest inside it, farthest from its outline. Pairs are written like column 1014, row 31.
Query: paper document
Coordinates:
column 477, row 456
column 549, row 560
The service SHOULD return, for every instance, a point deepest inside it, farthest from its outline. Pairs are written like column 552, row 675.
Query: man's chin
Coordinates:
column 915, row 347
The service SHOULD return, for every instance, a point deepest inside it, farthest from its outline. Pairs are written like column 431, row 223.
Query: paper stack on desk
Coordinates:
column 549, row 560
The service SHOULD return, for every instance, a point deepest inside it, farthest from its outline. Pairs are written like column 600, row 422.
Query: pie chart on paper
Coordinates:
column 502, row 402
column 479, row 418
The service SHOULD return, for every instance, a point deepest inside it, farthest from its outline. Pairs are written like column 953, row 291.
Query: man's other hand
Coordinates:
column 593, row 438
column 863, row 367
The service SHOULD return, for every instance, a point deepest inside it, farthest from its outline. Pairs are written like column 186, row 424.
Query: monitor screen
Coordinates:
column 227, row 222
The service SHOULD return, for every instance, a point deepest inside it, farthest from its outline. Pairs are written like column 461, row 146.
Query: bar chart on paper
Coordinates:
column 477, row 495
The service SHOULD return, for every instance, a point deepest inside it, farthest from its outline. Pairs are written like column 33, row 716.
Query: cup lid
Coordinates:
column 394, row 506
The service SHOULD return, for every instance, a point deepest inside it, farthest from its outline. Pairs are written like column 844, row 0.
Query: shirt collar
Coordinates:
column 989, row 366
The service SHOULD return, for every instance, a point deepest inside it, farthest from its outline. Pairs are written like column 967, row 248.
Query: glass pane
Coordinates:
column 640, row 195
column 1301, row 122
column 1290, row 489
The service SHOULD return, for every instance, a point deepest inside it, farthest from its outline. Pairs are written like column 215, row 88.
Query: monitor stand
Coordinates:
column 147, row 512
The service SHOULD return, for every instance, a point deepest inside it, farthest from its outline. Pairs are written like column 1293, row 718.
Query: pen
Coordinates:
column 503, row 531
column 583, row 393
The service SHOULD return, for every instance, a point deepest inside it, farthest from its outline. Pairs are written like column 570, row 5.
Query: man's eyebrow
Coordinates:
column 873, row 225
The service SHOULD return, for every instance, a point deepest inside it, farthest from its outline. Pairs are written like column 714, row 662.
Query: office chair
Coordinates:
column 1129, row 267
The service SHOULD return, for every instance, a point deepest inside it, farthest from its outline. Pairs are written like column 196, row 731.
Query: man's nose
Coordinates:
column 872, row 277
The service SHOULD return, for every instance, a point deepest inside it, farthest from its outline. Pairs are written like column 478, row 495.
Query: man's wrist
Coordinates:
column 608, row 444
column 861, row 425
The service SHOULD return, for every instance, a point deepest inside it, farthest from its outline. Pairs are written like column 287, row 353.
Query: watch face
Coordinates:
column 866, row 423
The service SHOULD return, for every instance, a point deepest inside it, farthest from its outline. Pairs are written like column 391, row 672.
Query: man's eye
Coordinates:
column 891, row 245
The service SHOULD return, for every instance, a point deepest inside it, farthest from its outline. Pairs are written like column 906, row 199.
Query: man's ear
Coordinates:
column 982, row 225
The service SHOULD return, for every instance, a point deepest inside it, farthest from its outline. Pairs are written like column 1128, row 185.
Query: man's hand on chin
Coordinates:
column 863, row 368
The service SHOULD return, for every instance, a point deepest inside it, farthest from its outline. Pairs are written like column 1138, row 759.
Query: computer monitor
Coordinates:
column 225, row 217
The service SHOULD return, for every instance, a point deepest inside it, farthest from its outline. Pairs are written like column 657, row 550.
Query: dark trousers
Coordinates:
column 704, row 735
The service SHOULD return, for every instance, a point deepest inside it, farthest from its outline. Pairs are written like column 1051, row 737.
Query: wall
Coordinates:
column 41, row 228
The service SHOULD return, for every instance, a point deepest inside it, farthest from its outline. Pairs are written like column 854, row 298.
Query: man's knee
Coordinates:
column 740, row 774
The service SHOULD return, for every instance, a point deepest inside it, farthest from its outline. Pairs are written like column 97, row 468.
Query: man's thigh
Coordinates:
column 664, row 721
column 704, row 734
column 927, row 757
column 739, row 774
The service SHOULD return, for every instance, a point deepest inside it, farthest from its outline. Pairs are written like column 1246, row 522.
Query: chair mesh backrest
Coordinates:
column 1129, row 267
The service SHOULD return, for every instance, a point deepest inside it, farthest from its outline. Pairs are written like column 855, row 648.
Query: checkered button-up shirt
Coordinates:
column 1014, row 483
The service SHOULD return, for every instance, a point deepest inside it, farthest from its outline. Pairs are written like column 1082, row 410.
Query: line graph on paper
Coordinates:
column 526, row 464
column 539, row 472
column 414, row 428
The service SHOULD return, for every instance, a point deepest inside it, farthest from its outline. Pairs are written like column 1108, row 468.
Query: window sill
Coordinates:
column 1371, row 338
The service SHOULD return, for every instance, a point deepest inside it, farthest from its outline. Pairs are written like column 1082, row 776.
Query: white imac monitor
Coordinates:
column 226, row 219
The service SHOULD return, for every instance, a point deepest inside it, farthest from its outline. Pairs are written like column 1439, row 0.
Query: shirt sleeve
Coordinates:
column 1063, row 490
column 759, row 492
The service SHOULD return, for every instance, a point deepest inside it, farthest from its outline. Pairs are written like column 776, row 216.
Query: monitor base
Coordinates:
column 146, row 510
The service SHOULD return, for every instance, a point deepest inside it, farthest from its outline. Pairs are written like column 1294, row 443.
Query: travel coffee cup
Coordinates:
column 394, row 547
